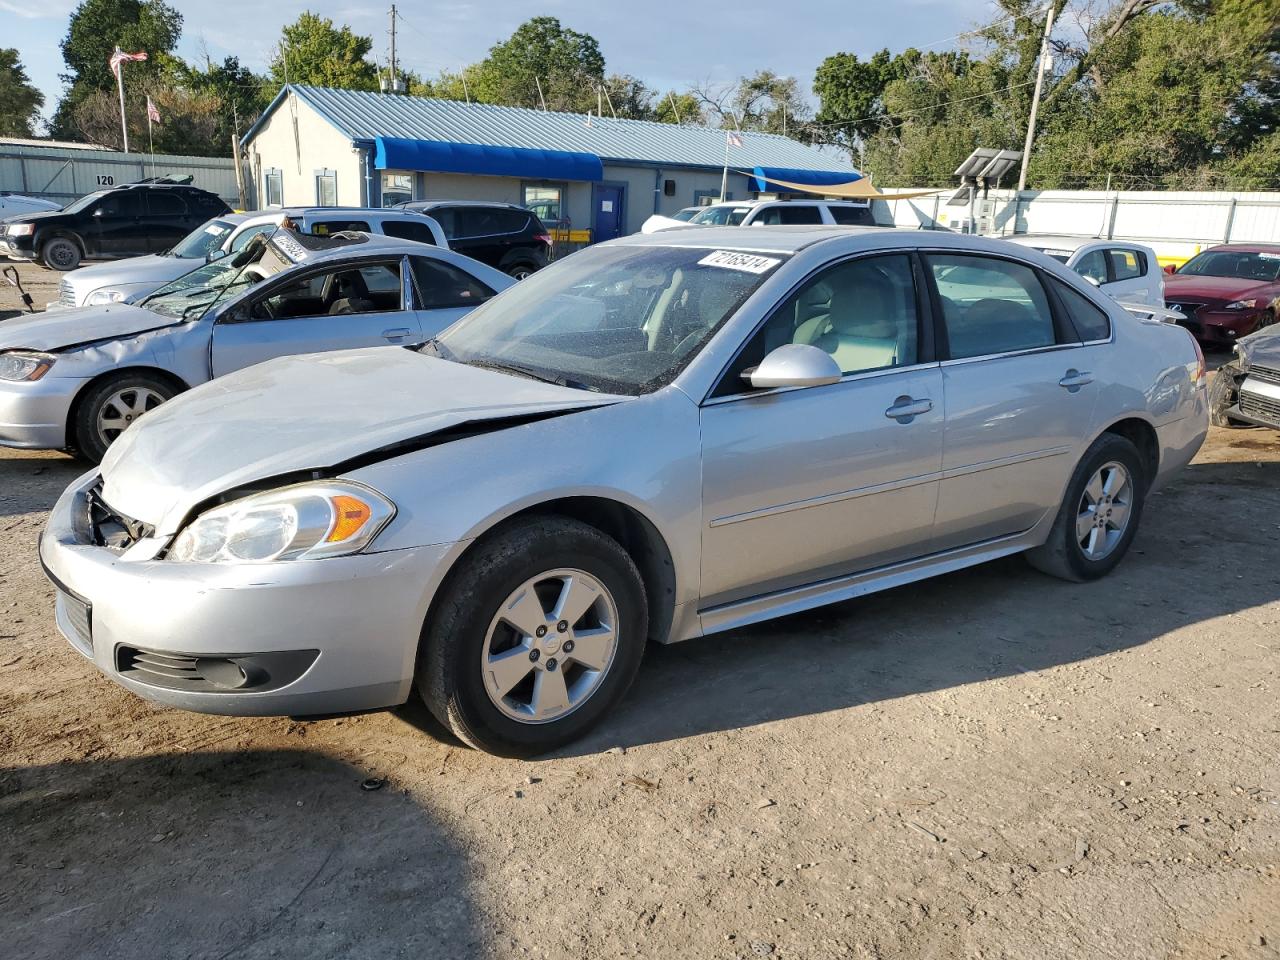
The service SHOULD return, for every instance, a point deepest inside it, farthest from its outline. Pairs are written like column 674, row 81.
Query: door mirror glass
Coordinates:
column 98, row 211
column 794, row 365
column 216, row 254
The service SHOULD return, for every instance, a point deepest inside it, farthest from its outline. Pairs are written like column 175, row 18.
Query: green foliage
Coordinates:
column 97, row 27
column 20, row 101
column 682, row 108
column 314, row 52
column 568, row 65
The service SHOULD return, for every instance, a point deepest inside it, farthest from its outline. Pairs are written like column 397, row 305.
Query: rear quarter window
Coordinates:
column 409, row 230
column 852, row 216
column 1127, row 264
column 1090, row 321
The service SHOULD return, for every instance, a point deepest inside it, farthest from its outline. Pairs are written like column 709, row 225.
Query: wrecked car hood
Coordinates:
column 296, row 414
column 1262, row 348
column 132, row 270
column 1214, row 288
column 58, row 329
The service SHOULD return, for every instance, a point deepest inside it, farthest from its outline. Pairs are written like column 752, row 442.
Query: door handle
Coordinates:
column 1075, row 379
column 905, row 409
column 399, row 333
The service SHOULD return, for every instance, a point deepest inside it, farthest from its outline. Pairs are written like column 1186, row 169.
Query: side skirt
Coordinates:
column 780, row 603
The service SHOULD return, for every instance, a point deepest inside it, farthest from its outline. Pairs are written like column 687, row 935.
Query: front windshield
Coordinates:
column 722, row 216
column 84, row 202
column 199, row 243
column 188, row 297
column 1062, row 256
column 1239, row 264
column 614, row 319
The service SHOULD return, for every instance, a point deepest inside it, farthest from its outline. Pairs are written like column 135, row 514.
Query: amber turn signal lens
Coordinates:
column 351, row 514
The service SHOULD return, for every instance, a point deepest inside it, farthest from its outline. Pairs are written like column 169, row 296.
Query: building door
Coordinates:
column 609, row 203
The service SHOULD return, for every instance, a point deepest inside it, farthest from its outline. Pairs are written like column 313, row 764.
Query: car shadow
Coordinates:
column 31, row 482
column 225, row 855
column 1198, row 539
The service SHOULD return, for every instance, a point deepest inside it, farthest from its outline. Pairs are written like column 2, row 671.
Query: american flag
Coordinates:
column 153, row 115
column 732, row 139
column 119, row 57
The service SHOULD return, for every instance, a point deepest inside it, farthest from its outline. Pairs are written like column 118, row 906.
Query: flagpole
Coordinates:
column 124, row 127
column 724, row 179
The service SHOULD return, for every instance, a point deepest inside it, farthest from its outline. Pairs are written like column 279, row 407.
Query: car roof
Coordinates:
column 338, row 246
column 429, row 204
column 1247, row 247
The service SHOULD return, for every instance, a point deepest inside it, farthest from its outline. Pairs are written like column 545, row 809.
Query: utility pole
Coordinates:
column 1041, row 65
column 395, row 87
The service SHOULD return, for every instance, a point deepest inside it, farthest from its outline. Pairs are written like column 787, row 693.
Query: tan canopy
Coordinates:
column 860, row 189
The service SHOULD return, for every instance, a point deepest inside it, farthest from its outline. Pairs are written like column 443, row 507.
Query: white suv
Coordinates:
column 756, row 213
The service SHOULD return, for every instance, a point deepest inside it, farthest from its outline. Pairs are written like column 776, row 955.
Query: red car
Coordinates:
column 1226, row 292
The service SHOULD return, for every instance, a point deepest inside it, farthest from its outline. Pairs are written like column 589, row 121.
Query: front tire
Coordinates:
column 1099, row 514
column 1224, row 393
column 61, row 254
column 536, row 634
column 113, row 405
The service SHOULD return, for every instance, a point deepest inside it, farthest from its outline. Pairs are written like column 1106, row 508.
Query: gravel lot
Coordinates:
column 991, row 764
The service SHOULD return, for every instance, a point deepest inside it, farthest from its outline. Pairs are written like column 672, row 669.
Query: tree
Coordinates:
column 20, row 101
column 851, row 92
column 97, row 27
column 240, row 93
column 313, row 51
column 684, row 108
column 567, row 65
column 764, row 101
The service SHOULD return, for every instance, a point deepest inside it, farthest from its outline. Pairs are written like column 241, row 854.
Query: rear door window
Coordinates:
column 479, row 222
column 166, row 205
column 991, row 306
column 852, row 216
column 1127, row 264
column 447, row 217
column 441, row 285
column 409, row 230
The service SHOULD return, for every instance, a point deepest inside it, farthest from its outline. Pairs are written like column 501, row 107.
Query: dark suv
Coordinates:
column 504, row 236
column 126, row 221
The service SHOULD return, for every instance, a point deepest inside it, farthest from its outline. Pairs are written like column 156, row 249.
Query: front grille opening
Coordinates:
column 220, row 673
column 1266, row 374
column 1259, row 407
column 109, row 527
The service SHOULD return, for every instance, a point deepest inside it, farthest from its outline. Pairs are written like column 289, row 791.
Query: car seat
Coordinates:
column 864, row 332
column 351, row 294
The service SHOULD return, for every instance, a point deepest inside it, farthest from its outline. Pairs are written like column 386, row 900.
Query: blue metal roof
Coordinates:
column 394, row 153
column 364, row 116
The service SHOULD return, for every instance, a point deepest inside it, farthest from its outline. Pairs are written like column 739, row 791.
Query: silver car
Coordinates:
column 653, row 439
column 74, row 379
column 128, row 281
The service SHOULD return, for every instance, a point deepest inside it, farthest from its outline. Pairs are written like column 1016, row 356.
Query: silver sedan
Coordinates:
column 654, row 439
column 76, row 378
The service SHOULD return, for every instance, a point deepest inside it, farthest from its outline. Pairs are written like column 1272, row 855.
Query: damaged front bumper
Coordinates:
column 300, row 637
column 33, row 415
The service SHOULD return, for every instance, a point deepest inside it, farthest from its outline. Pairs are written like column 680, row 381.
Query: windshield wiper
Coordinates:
column 531, row 374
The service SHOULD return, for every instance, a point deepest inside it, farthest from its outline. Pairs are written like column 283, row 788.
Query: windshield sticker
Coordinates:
column 1269, row 256
column 289, row 246
column 746, row 262
column 213, row 229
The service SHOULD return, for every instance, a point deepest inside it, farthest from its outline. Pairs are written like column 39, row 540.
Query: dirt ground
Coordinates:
column 992, row 764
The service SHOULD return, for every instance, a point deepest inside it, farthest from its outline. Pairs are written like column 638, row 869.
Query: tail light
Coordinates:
column 1202, row 370
column 543, row 238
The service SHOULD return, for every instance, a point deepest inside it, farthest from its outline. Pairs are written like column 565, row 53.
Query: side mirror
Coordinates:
column 1171, row 268
column 215, row 254
column 97, row 211
column 794, row 365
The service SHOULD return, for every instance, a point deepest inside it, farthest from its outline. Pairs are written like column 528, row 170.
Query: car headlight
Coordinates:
column 24, row 366
column 104, row 296
column 20, row 229
column 1241, row 305
column 303, row 522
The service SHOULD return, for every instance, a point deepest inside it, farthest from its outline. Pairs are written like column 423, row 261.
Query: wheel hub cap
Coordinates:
column 549, row 646
column 1103, row 514
column 122, row 408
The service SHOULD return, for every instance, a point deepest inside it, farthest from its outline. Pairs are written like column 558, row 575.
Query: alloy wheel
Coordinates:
column 1104, row 511
column 122, row 408
column 549, row 646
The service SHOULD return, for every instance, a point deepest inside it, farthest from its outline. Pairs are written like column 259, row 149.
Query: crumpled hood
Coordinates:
column 304, row 413
column 56, row 329
column 1212, row 288
column 1262, row 348
column 134, row 270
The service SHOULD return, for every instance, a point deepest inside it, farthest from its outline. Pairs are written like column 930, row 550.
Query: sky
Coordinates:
column 670, row 44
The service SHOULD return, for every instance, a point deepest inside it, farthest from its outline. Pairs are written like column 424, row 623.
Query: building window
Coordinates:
column 704, row 198
column 273, row 182
column 545, row 200
column 326, row 188
column 396, row 188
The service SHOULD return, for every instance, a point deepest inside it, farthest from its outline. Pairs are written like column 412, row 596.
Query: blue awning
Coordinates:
column 439, row 156
column 810, row 178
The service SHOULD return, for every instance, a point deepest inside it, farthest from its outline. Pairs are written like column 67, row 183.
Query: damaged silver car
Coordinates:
column 76, row 379
column 653, row 439
column 1246, row 391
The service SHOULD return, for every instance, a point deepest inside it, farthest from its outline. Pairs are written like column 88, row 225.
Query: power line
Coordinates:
column 979, row 30
column 930, row 109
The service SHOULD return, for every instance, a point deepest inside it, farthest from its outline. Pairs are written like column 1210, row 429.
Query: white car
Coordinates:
column 1128, row 271
column 758, row 213
column 13, row 205
column 124, row 281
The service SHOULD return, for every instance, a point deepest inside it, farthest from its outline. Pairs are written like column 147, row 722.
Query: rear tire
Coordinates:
column 110, row 406
column 61, row 253
column 1085, row 542
column 492, row 683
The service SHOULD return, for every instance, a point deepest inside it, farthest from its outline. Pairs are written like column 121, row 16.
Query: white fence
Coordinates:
column 61, row 174
column 1176, row 224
